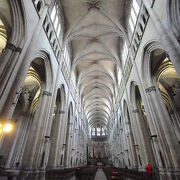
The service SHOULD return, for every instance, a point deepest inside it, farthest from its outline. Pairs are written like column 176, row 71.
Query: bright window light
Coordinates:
column 119, row 76
column 56, row 22
column 136, row 6
column 133, row 15
column 124, row 53
column 8, row 127
column 98, row 133
column 58, row 30
column 53, row 13
column 131, row 24
column 66, row 58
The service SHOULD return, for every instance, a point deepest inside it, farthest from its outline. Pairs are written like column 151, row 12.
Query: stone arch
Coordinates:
column 12, row 15
column 145, row 151
column 57, row 124
column 146, row 69
column 162, row 82
column 14, row 22
column 32, row 100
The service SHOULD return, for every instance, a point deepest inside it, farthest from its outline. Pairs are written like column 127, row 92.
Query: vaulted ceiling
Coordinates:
column 94, row 30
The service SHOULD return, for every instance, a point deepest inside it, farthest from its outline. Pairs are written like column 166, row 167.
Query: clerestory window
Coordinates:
column 56, row 20
column 133, row 15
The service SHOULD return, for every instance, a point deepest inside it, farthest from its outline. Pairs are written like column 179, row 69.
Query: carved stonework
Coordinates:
column 93, row 5
column 152, row 88
column 46, row 93
column 18, row 49
column 10, row 46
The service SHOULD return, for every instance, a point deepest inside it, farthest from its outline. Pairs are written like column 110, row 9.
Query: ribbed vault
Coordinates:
column 94, row 29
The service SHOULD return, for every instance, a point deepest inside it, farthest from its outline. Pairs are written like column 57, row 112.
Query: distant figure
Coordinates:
column 126, row 167
column 149, row 171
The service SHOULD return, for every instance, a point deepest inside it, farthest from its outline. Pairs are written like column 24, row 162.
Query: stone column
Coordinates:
column 18, row 130
column 169, row 142
column 141, row 138
column 8, row 99
column 44, row 140
column 61, row 140
column 55, row 140
column 144, row 97
column 68, row 149
column 157, row 142
column 133, row 152
column 33, row 138
column 13, row 47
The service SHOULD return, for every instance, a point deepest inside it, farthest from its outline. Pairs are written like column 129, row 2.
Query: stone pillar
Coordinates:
column 18, row 152
column 11, row 103
column 132, row 152
column 68, row 149
column 8, row 99
column 141, row 138
column 156, row 141
column 34, row 138
column 55, row 139
column 166, row 133
column 15, row 139
column 61, row 140
column 9, row 58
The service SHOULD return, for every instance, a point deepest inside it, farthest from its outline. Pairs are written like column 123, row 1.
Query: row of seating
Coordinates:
column 121, row 174
column 81, row 173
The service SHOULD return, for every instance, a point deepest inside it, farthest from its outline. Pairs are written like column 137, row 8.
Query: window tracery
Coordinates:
column 133, row 15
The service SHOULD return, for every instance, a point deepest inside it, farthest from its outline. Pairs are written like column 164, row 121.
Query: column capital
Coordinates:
column 18, row 49
column 151, row 88
column 47, row 93
column 10, row 46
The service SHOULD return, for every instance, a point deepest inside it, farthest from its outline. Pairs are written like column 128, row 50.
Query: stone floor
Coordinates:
column 100, row 175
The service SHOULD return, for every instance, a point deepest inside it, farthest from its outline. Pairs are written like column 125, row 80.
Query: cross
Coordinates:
column 93, row 5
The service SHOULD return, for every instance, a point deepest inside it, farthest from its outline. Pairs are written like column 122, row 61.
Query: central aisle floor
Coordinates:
column 100, row 175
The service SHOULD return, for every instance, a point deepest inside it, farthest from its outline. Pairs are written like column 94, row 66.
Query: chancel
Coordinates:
column 89, row 89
